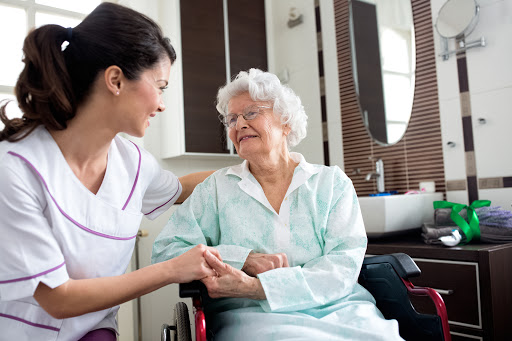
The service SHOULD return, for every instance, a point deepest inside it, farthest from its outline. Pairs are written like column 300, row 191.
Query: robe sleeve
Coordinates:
column 163, row 190
column 195, row 222
column 331, row 276
column 29, row 252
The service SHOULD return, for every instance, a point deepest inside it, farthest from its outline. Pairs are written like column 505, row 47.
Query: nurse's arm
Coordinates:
column 82, row 296
column 189, row 182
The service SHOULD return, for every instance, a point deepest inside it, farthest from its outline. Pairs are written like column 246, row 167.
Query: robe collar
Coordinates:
column 250, row 185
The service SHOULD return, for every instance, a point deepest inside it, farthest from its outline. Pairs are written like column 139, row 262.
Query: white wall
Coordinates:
column 490, row 88
column 295, row 50
column 331, row 82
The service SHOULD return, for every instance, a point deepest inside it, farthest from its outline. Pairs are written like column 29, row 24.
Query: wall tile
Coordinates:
column 488, row 183
column 460, row 197
column 456, row 185
column 306, row 85
column 498, row 197
column 451, row 131
column 493, row 139
column 490, row 67
column 446, row 70
column 297, row 43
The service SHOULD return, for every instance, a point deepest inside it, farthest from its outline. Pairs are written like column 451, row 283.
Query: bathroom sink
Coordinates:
column 385, row 215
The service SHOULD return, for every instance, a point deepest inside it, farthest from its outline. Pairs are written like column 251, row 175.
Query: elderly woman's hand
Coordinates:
column 257, row 263
column 230, row 282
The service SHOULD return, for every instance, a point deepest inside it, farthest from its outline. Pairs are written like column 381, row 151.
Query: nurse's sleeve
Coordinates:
column 331, row 276
column 163, row 190
column 195, row 222
column 29, row 252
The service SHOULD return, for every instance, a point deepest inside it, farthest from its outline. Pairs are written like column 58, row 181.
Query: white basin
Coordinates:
column 396, row 213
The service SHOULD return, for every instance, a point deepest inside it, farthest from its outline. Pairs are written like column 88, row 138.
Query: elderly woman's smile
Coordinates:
column 244, row 138
column 254, row 128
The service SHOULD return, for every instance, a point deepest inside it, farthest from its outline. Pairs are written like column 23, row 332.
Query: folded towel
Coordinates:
column 430, row 231
column 495, row 223
column 488, row 234
column 490, row 216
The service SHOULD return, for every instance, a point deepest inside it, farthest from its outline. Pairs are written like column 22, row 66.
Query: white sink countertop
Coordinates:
column 384, row 215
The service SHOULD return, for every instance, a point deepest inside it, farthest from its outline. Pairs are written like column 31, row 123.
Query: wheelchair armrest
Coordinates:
column 192, row 289
column 402, row 263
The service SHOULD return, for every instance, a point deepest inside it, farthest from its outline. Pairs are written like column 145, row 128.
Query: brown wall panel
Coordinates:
column 204, row 71
column 247, row 42
column 204, row 62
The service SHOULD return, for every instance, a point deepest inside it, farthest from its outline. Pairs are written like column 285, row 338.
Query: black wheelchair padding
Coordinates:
column 402, row 263
column 381, row 276
column 192, row 289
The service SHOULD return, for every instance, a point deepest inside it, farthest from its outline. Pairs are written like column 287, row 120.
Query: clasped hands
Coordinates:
column 231, row 282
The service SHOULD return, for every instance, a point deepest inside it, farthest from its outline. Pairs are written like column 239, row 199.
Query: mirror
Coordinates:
column 457, row 18
column 384, row 63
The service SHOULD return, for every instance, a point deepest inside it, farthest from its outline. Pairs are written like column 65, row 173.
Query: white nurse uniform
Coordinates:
column 52, row 228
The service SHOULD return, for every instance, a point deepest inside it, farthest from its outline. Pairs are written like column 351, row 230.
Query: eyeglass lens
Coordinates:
column 249, row 113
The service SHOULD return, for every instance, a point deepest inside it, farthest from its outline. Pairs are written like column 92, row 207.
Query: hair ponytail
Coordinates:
column 43, row 90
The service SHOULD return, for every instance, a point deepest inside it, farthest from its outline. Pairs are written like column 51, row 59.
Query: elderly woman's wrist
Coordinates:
column 255, row 289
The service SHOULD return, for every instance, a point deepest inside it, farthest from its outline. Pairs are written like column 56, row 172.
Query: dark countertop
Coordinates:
column 412, row 244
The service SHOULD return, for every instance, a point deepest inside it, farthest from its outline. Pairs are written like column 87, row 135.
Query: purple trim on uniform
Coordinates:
column 136, row 178
column 179, row 186
column 34, row 276
column 30, row 323
column 62, row 211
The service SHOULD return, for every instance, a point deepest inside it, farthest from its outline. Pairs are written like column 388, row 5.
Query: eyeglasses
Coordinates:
column 249, row 114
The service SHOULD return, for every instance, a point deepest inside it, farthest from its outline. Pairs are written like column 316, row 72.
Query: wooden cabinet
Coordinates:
column 211, row 55
column 474, row 280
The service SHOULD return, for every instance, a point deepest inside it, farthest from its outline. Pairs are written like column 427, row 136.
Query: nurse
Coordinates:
column 73, row 192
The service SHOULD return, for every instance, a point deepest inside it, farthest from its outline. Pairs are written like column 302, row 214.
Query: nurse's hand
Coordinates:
column 257, row 263
column 192, row 265
column 231, row 282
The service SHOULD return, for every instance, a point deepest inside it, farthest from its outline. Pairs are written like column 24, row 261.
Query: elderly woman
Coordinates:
column 290, row 233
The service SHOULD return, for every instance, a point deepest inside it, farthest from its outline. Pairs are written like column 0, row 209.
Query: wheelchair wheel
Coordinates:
column 182, row 323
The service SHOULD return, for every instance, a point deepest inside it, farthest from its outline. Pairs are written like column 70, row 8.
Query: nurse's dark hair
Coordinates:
column 54, row 83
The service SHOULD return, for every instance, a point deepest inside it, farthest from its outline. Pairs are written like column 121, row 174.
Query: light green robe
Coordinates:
column 320, row 229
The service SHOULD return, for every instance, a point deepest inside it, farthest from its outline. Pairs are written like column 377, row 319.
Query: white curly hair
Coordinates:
column 266, row 87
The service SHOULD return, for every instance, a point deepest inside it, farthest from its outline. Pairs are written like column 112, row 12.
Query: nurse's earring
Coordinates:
column 117, row 93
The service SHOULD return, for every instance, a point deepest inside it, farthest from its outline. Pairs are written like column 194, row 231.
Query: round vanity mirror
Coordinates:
column 457, row 18
column 384, row 63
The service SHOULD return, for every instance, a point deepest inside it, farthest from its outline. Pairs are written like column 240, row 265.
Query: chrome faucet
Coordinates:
column 379, row 174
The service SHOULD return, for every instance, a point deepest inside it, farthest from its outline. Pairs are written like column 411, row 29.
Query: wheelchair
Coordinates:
column 386, row 277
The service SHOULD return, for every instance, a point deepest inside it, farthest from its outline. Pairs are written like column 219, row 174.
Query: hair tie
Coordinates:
column 69, row 33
